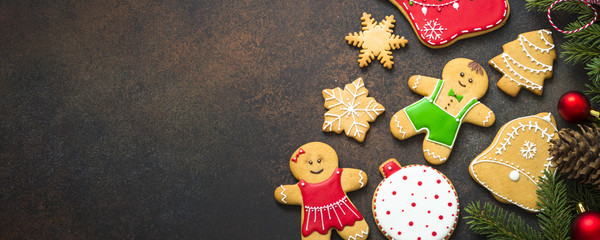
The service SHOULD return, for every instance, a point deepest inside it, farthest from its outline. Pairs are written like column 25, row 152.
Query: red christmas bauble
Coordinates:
column 586, row 226
column 573, row 106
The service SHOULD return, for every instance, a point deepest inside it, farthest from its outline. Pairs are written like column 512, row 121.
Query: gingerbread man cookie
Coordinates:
column 322, row 193
column 415, row 202
column 448, row 102
column 511, row 167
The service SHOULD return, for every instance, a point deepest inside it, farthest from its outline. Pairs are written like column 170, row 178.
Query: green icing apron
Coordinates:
column 441, row 125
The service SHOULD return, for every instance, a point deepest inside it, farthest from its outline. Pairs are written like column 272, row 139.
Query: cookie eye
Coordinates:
column 462, row 74
column 470, row 80
column 319, row 160
column 310, row 162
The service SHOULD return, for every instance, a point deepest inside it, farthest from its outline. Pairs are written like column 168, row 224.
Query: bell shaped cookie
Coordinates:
column 511, row 167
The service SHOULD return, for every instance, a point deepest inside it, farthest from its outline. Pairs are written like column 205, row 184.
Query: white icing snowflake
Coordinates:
column 350, row 110
column 433, row 30
column 528, row 150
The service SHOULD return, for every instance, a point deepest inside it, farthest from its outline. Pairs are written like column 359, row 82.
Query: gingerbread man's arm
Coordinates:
column 288, row 194
column 353, row 179
column 480, row 115
column 422, row 85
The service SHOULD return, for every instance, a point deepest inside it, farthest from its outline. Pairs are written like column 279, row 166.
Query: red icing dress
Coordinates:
column 326, row 206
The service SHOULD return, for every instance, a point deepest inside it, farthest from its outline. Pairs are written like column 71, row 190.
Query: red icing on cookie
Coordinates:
column 441, row 22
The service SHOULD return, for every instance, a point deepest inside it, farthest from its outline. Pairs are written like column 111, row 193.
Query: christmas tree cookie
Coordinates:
column 448, row 102
column 511, row 167
column 350, row 110
column 440, row 23
column 376, row 40
column 322, row 193
column 526, row 62
column 414, row 202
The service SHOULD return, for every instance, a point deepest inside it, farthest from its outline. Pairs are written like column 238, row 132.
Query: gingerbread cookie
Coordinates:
column 414, row 202
column 512, row 166
column 322, row 193
column 526, row 62
column 376, row 40
column 448, row 102
column 350, row 110
column 440, row 23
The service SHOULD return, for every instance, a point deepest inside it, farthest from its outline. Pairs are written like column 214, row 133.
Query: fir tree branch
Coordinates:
column 543, row 5
column 587, row 194
column 496, row 223
column 593, row 68
column 577, row 52
column 555, row 215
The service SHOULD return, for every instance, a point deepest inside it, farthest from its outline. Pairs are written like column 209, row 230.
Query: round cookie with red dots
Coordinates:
column 415, row 202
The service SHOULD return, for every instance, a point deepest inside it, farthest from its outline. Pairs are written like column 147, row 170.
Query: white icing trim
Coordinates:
column 433, row 101
column 362, row 234
column 399, row 127
column 284, row 196
column 512, row 70
column 544, row 70
column 330, row 207
column 361, row 178
column 434, row 4
column 445, row 189
column 544, row 38
column 535, row 47
column 350, row 109
column 511, row 135
column 487, row 118
column 510, row 78
column 434, row 156
column 416, row 82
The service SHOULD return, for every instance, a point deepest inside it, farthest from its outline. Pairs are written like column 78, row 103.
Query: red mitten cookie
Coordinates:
column 414, row 202
column 439, row 23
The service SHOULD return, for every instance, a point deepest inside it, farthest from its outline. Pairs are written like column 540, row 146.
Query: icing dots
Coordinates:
column 420, row 202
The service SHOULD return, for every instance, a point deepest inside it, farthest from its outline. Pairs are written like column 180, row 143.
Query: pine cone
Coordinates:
column 577, row 155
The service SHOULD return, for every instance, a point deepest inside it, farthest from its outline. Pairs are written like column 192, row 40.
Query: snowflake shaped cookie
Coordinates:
column 376, row 40
column 350, row 110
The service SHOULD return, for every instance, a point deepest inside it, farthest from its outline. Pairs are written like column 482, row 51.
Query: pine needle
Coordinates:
column 555, row 215
column 496, row 223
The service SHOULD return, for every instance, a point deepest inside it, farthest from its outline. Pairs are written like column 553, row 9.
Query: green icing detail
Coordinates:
column 442, row 126
column 452, row 94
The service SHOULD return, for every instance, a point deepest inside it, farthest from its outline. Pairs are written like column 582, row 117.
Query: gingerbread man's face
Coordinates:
column 313, row 162
column 465, row 77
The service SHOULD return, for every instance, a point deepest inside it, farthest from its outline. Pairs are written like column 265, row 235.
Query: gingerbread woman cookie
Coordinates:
column 511, row 167
column 322, row 193
column 448, row 102
column 415, row 202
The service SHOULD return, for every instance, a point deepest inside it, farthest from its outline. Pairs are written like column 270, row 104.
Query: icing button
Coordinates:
column 514, row 175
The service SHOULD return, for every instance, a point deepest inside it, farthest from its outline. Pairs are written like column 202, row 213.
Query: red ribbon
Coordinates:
column 587, row 2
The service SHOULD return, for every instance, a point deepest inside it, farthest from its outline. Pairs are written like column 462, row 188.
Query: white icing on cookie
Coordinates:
column 514, row 175
column 416, row 201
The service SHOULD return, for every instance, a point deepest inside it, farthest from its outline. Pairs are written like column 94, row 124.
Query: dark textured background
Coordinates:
column 175, row 119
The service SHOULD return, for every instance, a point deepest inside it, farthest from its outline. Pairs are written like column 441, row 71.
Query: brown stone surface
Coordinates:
column 176, row 119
